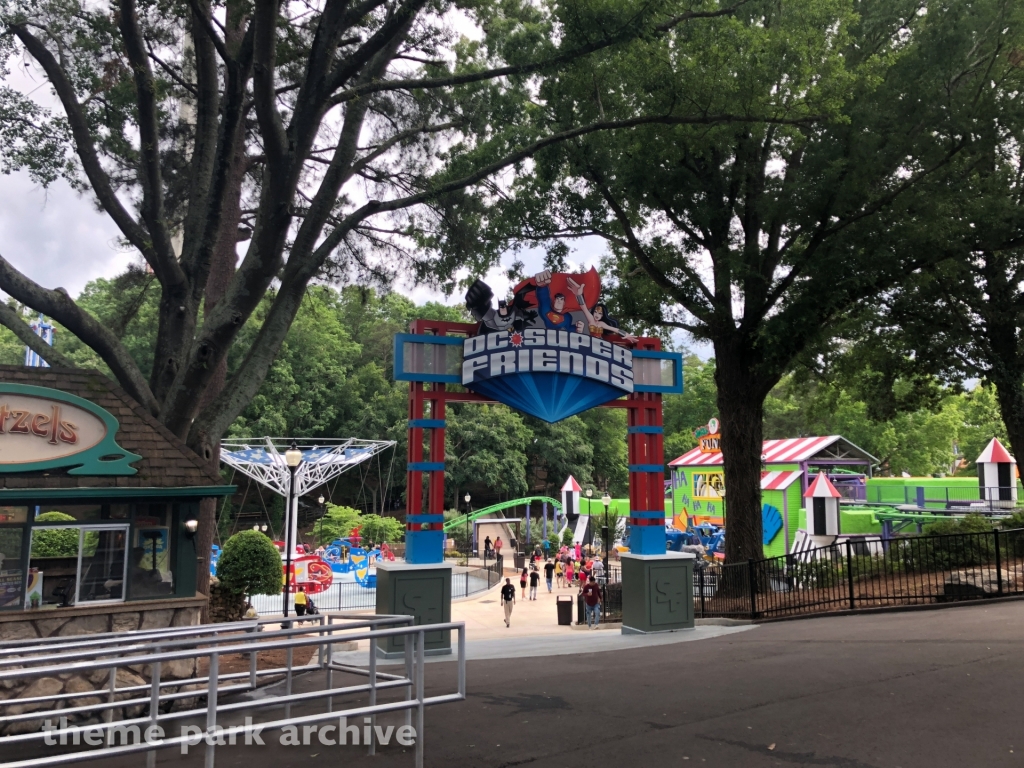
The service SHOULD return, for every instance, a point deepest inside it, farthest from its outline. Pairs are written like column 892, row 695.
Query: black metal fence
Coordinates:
column 865, row 574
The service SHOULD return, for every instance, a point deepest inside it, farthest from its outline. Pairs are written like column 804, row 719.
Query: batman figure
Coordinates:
column 514, row 316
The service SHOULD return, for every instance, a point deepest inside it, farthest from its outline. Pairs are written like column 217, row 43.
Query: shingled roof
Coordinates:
column 166, row 461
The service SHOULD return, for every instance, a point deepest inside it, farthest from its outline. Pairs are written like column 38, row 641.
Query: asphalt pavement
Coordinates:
column 922, row 689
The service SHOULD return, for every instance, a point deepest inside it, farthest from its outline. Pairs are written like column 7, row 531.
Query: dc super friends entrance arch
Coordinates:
column 551, row 350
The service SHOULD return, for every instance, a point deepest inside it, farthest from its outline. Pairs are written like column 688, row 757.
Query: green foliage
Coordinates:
column 337, row 523
column 1013, row 522
column 55, row 542
column 567, row 536
column 376, row 529
column 966, row 524
column 485, row 445
column 250, row 564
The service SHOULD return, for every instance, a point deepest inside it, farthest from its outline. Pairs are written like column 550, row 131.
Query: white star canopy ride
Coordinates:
column 263, row 460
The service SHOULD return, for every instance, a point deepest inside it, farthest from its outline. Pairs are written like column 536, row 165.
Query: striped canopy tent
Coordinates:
column 828, row 450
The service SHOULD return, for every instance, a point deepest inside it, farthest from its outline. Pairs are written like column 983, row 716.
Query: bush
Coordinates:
column 55, row 542
column 250, row 564
column 567, row 536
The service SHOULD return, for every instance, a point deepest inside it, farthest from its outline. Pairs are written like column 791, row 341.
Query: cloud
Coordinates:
column 55, row 236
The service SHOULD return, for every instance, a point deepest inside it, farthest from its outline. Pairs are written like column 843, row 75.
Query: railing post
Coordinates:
column 108, row 715
column 999, row 564
column 154, row 704
column 252, row 658
column 849, row 572
column 752, row 579
column 211, row 709
column 421, row 639
column 372, row 746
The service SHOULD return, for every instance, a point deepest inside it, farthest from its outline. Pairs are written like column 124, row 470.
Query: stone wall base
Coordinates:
column 69, row 622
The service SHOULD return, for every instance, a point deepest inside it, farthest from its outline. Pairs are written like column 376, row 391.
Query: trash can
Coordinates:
column 519, row 561
column 564, row 605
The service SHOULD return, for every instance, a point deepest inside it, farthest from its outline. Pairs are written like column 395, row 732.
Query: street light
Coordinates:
column 607, row 499
column 469, row 511
column 589, row 492
column 292, row 457
column 323, row 514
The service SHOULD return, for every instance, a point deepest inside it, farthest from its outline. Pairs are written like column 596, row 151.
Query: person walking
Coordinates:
column 549, row 572
column 592, row 602
column 508, row 600
column 497, row 547
column 577, row 547
column 598, row 571
column 487, row 546
column 522, row 581
column 534, row 581
column 559, row 573
column 568, row 573
column 300, row 602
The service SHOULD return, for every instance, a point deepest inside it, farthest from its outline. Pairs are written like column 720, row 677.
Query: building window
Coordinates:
column 76, row 564
column 708, row 485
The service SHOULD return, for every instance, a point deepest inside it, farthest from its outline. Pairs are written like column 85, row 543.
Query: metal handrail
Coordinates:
column 213, row 643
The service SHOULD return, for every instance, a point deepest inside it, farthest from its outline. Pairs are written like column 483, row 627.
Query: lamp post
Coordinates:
column 323, row 514
column 469, row 511
column 590, row 518
column 607, row 499
column 292, row 457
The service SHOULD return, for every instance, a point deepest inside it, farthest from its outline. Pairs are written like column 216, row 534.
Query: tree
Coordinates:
column 306, row 133
column 485, row 445
column 337, row 523
column 250, row 564
column 560, row 450
column 760, row 234
column 377, row 530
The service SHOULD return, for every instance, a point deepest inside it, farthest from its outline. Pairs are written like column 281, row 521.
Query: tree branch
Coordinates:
column 58, row 305
column 10, row 318
column 428, row 83
column 86, row 149
column 150, row 175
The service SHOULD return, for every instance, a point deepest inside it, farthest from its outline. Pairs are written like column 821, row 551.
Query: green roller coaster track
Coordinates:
column 462, row 520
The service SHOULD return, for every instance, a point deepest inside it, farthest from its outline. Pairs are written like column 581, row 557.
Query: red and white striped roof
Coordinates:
column 571, row 485
column 994, row 453
column 782, row 451
column 821, row 487
column 779, row 480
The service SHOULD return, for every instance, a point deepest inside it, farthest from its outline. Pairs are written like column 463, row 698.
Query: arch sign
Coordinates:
column 551, row 350
column 43, row 428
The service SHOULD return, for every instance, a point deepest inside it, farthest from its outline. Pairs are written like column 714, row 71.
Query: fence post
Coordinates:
column 753, row 589
column 700, row 586
column 999, row 564
column 849, row 571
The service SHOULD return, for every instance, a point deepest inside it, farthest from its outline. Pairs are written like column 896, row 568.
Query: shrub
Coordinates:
column 250, row 564
column 55, row 542
column 567, row 536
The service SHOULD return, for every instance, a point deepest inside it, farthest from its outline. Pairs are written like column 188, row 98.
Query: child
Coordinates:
column 559, row 573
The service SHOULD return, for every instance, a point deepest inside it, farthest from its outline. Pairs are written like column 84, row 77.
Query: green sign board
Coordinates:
column 43, row 428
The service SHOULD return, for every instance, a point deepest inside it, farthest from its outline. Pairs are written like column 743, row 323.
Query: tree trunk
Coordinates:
column 741, row 411
column 1010, row 394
